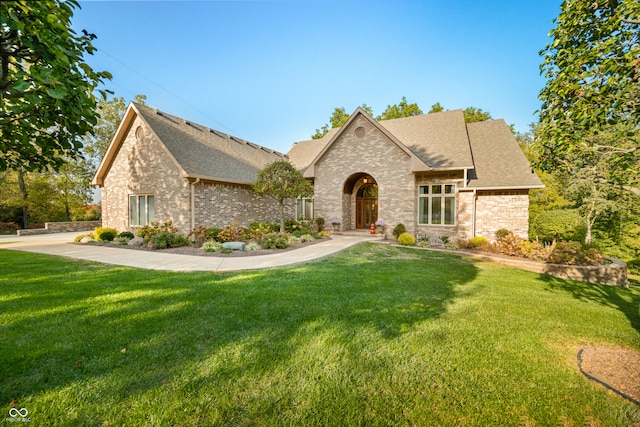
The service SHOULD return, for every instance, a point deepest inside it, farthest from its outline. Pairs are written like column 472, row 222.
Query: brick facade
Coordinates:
column 502, row 209
column 143, row 166
column 373, row 154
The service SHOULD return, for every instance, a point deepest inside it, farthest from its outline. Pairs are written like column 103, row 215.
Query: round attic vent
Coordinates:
column 139, row 133
column 360, row 132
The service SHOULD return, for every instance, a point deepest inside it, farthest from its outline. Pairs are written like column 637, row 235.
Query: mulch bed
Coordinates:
column 616, row 368
column 196, row 251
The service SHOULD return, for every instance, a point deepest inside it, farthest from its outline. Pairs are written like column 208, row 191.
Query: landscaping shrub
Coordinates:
column 121, row 240
column 307, row 238
column 251, row 246
column 211, row 246
column 211, row 233
column 478, row 242
column 156, row 227
column 320, row 224
column 406, row 239
column 297, row 228
column 106, row 234
column 127, row 234
column 559, row 225
column 633, row 266
column 273, row 241
column 323, row 233
column 507, row 242
column 293, row 239
column 167, row 239
column 398, row 230
column 231, row 233
column 422, row 240
column 574, row 253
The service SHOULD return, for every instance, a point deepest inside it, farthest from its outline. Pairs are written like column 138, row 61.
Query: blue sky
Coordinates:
column 272, row 72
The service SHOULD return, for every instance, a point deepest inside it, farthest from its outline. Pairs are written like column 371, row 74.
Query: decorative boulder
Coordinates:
column 236, row 246
column 136, row 241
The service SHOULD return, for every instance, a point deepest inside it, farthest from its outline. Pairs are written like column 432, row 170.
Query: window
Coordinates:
column 141, row 209
column 304, row 209
column 437, row 204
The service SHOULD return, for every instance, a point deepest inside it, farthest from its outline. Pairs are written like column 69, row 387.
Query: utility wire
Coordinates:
column 232, row 132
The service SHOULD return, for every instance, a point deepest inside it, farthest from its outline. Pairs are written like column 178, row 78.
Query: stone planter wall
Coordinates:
column 61, row 227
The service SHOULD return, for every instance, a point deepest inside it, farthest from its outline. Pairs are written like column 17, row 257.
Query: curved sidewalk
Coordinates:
column 60, row 244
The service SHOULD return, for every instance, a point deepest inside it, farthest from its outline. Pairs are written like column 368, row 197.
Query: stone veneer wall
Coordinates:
column 143, row 167
column 219, row 204
column 374, row 154
column 61, row 227
column 502, row 209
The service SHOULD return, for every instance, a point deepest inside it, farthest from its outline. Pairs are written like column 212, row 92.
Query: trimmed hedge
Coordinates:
column 560, row 225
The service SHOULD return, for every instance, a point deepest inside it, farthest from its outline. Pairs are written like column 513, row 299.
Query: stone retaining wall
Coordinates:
column 61, row 227
column 613, row 274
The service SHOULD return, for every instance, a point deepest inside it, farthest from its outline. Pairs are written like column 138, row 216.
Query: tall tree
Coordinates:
column 281, row 180
column 592, row 68
column 47, row 97
column 403, row 109
column 110, row 113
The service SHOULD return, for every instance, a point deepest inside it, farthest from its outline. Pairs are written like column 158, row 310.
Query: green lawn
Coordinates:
column 375, row 335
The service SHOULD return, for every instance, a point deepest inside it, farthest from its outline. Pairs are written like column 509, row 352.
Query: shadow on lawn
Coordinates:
column 135, row 330
column 626, row 300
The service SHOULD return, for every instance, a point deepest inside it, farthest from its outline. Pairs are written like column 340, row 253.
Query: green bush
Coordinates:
column 211, row 246
column 320, row 224
column 251, row 246
column 167, row 239
column 634, row 266
column 105, row 234
column 399, row 229
column 156, row 227
column 574, row 253
column 273, row 241
column 212, row 233
column 560, row 225
column 478, row 242
column 126, row 234
column 406, row 239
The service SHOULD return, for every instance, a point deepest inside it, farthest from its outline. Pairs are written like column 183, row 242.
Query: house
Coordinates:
column 434, row 173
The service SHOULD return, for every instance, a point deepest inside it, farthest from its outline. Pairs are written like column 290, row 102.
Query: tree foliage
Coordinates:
column 47, row 97
column 403, row 109
column 110, row 113
column 281, row 180
column 592, row 68
column 473, row 114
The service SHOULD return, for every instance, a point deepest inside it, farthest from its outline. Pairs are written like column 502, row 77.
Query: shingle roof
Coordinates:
column 498, row 159
column 207, row 153
column 443, row 141
column 302, row 153
column 440, row 140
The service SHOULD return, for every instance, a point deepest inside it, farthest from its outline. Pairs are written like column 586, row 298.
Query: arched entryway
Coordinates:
column 367, row 205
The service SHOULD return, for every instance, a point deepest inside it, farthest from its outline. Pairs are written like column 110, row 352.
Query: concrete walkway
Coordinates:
column 61, row 244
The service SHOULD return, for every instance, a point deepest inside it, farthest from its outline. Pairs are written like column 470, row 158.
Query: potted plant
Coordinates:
column 335, row 222
column 380, row 224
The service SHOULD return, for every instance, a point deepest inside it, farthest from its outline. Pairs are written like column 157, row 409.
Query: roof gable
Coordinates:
column 309, row 171
column 198, row 151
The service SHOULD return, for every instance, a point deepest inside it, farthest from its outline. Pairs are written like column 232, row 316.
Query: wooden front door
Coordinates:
column 366, row 211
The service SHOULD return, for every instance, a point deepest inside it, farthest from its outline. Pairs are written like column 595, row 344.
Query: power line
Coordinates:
column 164, row 89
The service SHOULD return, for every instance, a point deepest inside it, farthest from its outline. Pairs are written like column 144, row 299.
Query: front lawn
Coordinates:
column 375, row 335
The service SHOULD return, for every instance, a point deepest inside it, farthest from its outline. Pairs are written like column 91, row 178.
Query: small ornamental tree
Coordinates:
column 281, row 180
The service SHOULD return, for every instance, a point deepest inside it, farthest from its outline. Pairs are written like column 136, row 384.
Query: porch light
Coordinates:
column 364, row 180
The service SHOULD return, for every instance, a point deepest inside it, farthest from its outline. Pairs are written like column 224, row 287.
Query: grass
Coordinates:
column 372, row 336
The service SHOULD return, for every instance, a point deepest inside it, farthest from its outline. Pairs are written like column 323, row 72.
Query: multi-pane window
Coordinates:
column 437, row 204
column 304, row 209
column 141, row 209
